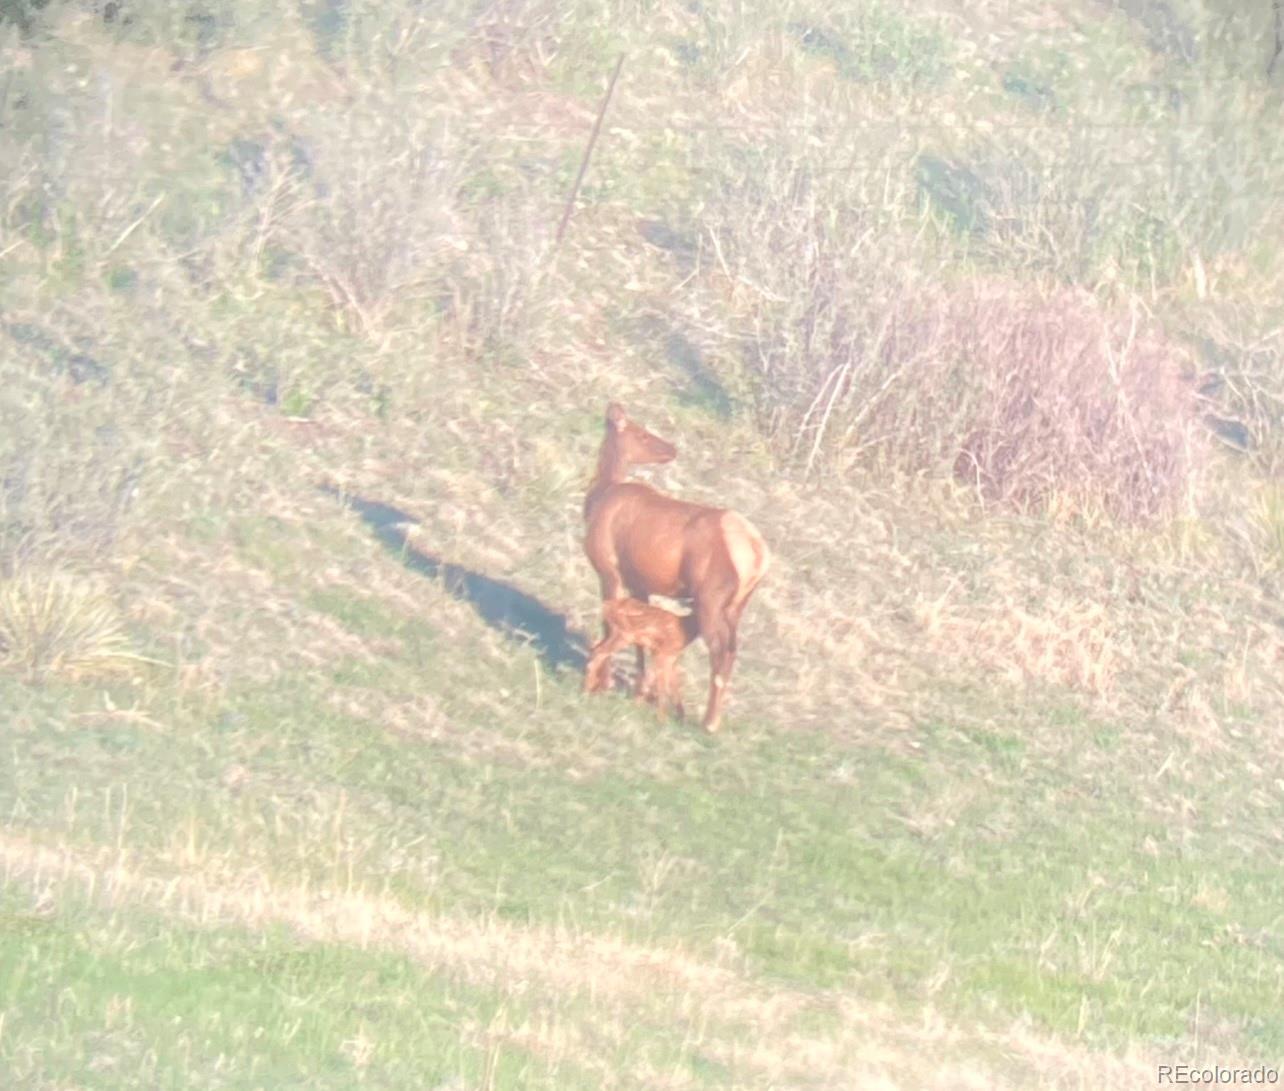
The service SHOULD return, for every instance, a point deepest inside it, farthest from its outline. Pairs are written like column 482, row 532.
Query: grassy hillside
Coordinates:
column 974, row 310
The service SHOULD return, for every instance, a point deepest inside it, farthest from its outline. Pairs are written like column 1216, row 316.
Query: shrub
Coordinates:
column 380, row 227
column 56, row 623
column 1033, row 399
column 1072, row 403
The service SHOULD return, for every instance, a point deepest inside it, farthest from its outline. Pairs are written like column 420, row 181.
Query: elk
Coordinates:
column 661, row 632
column 642, row 543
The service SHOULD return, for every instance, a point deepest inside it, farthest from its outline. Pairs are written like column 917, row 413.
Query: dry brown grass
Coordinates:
column 1056, row 642
column 866, row 615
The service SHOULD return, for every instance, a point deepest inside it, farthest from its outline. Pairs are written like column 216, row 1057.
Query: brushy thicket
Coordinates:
column 1031, row 400
column 838, row 242
column 1076, row 405
column 1034, row 396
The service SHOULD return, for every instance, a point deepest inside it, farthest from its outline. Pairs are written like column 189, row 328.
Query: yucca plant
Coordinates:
column 55, row 623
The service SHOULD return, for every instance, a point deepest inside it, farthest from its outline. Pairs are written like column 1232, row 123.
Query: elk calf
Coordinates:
column 661, row 632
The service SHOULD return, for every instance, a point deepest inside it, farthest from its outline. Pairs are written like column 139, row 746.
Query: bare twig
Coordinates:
column 1278, row 5
column 134, row 226
column 588, row 151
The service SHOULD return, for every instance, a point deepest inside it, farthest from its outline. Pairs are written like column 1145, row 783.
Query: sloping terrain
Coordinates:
column 299, row 401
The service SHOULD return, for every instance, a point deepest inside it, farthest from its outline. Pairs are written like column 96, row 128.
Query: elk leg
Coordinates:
column 720, row 636
column 644, row 689
column 612, row 587
column 605, row 679
column 598, row 659
column 721, row 660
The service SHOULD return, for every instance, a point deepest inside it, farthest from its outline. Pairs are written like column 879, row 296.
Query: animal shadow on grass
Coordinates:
column 502, row 606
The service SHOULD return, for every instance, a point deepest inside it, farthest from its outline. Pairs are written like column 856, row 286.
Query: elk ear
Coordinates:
column 615, row 416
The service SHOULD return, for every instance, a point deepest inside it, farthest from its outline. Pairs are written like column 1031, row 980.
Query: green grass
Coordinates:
column 125, row 999
column 1022, row 876
column 876, row 45
column 1032, row 879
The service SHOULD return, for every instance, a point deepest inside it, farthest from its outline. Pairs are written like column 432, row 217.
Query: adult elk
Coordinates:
column 644, row 543
column 661, row 632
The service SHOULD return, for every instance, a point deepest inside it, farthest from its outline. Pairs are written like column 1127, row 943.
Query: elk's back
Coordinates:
column 648, row 538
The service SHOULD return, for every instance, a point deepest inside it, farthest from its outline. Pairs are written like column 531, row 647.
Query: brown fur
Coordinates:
column 661, row 632
column 643, row 543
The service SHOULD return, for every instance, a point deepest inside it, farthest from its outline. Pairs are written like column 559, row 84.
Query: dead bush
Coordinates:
column 1076, row 404
column 1031, row 399
column 1034, row 399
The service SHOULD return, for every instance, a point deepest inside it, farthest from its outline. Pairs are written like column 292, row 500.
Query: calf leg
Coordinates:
column 597, row 674
column 658, row 683
column 653, row 691
column 641, row 690
column 675, row 691
column 645, row 690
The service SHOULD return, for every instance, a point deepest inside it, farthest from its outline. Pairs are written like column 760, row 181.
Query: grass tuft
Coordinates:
column 54, row 623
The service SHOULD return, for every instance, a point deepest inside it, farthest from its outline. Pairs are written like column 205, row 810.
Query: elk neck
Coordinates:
column 612, row 468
